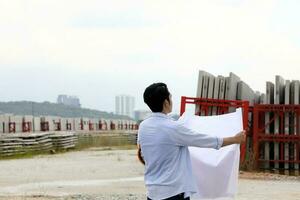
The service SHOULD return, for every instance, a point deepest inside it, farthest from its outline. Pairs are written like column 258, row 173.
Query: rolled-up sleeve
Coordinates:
column 184, row 136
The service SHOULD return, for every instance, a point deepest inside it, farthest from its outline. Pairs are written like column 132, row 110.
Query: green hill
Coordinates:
column 54, row 109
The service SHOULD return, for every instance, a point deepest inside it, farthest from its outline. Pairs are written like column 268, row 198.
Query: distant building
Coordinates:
column 125, row 105
column 140, row 115
column 69, row 100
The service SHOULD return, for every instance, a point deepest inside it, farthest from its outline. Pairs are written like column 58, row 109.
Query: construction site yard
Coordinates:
column 108, row 173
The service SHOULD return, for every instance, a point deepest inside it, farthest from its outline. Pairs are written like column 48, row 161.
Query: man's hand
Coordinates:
column 240, row 137
column 237, row 139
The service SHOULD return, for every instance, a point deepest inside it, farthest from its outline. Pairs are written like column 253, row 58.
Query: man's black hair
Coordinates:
column 155, row 95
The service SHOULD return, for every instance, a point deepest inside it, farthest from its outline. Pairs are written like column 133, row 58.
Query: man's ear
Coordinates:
column 166, row 102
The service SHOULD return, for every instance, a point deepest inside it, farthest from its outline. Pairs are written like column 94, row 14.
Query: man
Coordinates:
column 163, row 144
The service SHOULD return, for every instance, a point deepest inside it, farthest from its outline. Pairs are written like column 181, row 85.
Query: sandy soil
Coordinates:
column 111, row 174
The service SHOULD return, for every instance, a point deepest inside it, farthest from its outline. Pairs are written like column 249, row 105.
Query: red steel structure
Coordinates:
column 57, row 126
column 12, row 127
column 260, row 135
column 44, row 126
column 205, row 106
column 26, row 126
column 91, row 126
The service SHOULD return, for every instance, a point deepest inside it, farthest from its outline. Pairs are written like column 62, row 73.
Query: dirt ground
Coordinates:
column 111, row 174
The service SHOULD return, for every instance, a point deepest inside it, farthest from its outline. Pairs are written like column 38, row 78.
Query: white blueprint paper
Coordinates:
column 216, row 171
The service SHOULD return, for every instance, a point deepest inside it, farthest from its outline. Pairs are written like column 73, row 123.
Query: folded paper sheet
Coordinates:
column 216, row 171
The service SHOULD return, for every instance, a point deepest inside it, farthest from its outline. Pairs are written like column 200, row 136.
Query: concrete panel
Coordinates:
column 244, row 92
column 72, row 121
column 1, row 125
column 262, row 98
column 216, row 94
column 231, row 87
column 222, row 86
column 108, row 123
column 201, row 76
column 210, row 93
column 257, row 97
column 205, row 87
column 295, row 87
column 5, row 123
column 95, row 123
column 279, row 99
column 270, row 92
column 36, row 126
column 211, row 82
column 269, row 126
column 63, row 122
column 286, row 124
column 85, row 124
column 226, row 87
column 77, row 125
column 200, row 83
column 279, row 90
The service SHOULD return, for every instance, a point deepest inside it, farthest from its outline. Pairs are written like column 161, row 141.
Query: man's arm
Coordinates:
column 187, row 137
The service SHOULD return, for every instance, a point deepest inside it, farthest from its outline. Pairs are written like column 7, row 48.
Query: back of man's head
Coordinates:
column 155, row 95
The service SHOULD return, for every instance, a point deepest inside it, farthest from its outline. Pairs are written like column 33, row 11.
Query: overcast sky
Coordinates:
column 99, row 49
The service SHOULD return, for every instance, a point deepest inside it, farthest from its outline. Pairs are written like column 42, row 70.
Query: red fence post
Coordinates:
column 182, row 107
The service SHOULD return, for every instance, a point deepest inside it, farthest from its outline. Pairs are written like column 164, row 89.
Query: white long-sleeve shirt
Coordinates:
column 164, row 143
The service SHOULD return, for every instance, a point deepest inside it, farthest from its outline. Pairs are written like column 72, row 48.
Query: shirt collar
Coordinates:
column 160, row 114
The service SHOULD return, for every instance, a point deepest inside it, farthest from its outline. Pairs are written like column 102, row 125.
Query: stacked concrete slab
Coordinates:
column 16, row 143
column 64, row 140
column 283, row 92
column 286, row 92
column 53, row 123
column 223, row 88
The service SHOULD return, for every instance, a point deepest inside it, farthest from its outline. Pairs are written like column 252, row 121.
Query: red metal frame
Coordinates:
column 112, row 125
column 100, row 125
column 12, row 127
column 259, row 132
column 26, row 126
column 81, row 124
column 205, row 106
column 57, row 126
column 44, row 126
column 91, row 126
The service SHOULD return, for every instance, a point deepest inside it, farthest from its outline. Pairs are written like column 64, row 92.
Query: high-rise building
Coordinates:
column 69, row 100
column 125, row 105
